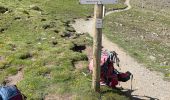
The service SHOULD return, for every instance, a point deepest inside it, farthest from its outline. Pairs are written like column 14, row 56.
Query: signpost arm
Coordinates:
column 97, row 41
column 104, row 11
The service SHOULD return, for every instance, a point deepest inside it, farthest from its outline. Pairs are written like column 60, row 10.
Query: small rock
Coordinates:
column 43, row 38
column 121, row 25
column 153, row 84
column 165, row 63
column 79, row 33
column 160, row 55
column 130, row 15
column 155, row 34
column 152, row 19
column 142, row 37
column 152, row 58
column 83, row 33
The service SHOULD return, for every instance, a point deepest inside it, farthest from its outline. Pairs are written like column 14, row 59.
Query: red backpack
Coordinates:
column 109, row 75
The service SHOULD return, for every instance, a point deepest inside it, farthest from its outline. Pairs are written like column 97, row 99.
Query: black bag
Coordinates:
column 123, row 77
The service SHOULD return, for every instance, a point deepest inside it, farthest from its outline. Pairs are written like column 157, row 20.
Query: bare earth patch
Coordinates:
column 58, row 97
column 13, row 80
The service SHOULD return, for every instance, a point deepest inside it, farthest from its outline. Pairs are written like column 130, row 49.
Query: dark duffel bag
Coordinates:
column 123, row 77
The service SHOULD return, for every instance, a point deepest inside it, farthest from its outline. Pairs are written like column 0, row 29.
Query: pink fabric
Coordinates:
column 103, row 59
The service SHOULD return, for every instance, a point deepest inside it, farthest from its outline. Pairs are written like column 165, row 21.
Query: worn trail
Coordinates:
column 147, row 85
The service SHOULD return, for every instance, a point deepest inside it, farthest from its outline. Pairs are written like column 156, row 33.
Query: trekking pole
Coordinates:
column 131, row 81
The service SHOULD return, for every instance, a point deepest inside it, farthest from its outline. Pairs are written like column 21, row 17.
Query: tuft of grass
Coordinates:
column 119, row 5
column 11, row 70
column 167, row 75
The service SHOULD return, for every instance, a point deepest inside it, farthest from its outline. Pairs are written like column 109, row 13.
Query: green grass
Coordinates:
column 34, row 41
column 143, row 33
column 119, row 5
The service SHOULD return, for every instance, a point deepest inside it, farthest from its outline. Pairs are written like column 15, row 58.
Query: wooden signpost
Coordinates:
column 97, row 40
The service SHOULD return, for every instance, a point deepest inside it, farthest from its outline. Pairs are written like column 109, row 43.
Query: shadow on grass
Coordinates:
column 128, row 93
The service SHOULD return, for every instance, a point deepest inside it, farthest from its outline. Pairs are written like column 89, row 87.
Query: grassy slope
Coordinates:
column 32, row 42
column 119, row 5
column 144, row 33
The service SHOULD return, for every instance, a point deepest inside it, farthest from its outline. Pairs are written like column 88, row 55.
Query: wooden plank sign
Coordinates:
column 98, row 1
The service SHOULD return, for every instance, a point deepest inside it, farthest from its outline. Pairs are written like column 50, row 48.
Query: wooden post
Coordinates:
column 97, row 41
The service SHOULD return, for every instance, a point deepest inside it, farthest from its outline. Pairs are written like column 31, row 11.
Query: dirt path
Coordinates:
column 127, row 2
column 147, row 85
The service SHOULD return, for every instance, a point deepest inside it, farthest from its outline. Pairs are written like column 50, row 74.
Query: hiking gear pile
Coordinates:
column 10, row 93
column 109, row 75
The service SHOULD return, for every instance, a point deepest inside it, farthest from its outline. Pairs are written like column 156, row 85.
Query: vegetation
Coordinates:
column 144, row 33
column 37, row 39
column 119, row 5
